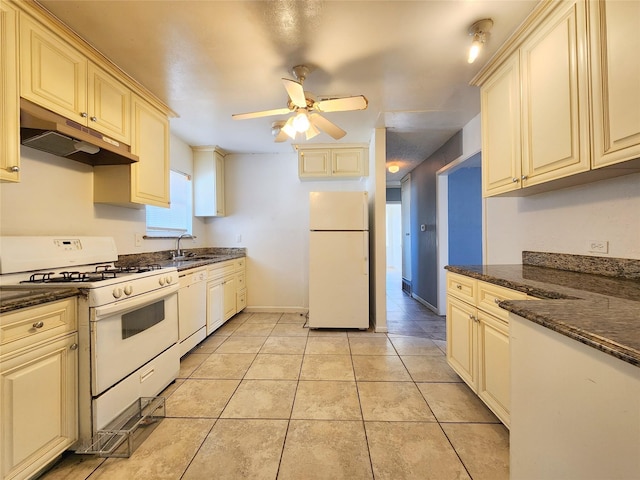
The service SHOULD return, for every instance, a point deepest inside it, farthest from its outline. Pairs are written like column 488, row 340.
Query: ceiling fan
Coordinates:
column 307, row 120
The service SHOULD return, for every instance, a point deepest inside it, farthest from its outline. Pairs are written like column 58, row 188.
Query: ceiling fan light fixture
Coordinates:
column 479, row 30
column 301, row 121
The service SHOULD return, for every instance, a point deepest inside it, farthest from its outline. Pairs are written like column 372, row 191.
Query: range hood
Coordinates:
column 47, row 131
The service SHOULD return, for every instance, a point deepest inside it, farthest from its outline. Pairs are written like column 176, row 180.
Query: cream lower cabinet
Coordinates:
column 226, row 292
column 9, row 101
column 478, row 339
column 147, row 181
column 38, row 387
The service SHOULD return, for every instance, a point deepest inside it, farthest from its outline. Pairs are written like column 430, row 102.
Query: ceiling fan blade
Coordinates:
column 281, row 137
column 264, row 113
column 327, row 126
column 358, row 102
column 295, row 92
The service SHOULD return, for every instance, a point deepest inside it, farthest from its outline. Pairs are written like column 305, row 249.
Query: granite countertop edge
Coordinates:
column 556, row 306
column 30, row 296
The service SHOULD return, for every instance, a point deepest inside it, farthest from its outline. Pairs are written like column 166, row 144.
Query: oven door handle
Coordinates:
column 130, row 304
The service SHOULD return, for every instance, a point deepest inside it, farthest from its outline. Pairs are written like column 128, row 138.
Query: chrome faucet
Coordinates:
column 178, row 251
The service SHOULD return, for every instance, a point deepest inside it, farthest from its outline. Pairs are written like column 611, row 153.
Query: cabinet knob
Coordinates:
column 93, row 119
column 459, row 287
column 515, row 180
column 524, row 177
column 84, row 115
column 39, row 324
column 73, row 346
column 13, row 169
column 497, row 300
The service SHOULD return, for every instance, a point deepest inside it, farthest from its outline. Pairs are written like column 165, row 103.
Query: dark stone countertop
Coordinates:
column 17, row 297
column 194, row 258
column 602, row 312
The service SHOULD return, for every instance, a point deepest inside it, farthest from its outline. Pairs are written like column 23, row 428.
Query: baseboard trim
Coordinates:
column 425, row 303
column 301, row 310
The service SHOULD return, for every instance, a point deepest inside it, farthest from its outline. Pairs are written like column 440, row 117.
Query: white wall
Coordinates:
column 55, row 197
column 267, row 206
column 565, row 220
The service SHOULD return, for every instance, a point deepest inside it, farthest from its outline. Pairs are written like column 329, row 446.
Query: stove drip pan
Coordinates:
column 123, row 435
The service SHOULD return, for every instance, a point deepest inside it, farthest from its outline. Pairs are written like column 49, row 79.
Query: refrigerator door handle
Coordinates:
column 365, row 263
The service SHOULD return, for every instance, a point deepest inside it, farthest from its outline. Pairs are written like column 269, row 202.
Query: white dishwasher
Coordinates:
column 192, row 309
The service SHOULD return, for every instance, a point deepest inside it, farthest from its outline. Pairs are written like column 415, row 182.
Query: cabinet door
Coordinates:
column 615, row 43
column 215, row 306
column 208, row 183
column 150, row 141
column 501, row 130
column 314, row 163
column 53, row 74
column 39, row 406
column 347, row 162
column 555, row 97
column 109, row 105
column 461, row 339
column 229, row 285
column 9, row 101
column 493, row 365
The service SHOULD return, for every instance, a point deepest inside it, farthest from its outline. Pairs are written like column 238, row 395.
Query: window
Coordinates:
column 177, row 219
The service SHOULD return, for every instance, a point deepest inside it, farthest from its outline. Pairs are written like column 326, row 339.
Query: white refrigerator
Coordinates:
column 338, row 260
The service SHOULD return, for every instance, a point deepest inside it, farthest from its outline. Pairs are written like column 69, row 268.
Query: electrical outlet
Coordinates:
column 138, row 240
column 598, row 246
column 238, row 238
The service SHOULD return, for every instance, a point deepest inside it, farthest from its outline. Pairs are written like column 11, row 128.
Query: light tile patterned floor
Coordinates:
column 266, row 398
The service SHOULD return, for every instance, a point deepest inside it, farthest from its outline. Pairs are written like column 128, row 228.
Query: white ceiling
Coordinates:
column 210, row 59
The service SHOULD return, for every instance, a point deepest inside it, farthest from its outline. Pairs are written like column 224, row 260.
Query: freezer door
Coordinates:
column 339, row 280
column 338, row 211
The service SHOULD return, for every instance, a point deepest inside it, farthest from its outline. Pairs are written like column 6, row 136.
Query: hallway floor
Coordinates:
column 267, row 398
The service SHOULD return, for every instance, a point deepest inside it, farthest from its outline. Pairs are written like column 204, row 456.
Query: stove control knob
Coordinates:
column 128, row 290
column 169, row 279
column 117, row 292
column 161, row 281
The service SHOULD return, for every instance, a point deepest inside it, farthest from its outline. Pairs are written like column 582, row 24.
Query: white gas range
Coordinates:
column 127, row 319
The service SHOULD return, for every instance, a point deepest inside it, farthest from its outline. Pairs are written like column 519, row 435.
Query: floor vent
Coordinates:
column 406, row 286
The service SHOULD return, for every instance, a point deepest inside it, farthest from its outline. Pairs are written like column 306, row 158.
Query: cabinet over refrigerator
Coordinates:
column 338, row 260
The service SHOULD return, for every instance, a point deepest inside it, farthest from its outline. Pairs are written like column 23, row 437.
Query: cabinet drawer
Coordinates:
column 241, row 281
column 489, row 295
column 33, row 325
column 461, row 287
column 219, row 270
column 241, row 302
column 239, row 263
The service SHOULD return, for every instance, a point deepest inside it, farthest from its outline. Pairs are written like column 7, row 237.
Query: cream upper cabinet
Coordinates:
column 9, row 100
column 323, row 162
column 501, row 139
column 147, row 181
column 57, row 76
column 555, row 101
column 208, row 182
column 615, row 81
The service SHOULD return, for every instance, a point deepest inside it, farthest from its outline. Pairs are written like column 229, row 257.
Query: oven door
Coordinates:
column 126, row 335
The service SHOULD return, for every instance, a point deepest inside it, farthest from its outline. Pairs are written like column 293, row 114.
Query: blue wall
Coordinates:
column 465, row 217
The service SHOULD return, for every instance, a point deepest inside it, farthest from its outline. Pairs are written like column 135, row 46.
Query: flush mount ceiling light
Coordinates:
column 394, row 169
column 479, row 31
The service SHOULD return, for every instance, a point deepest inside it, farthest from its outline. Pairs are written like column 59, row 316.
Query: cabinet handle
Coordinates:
column 459, row 287
column 39, row 324
column 73, row 346
column 515, row 180
column 84, row 115
column 497, row 300
column 13, row 169
column 93, row 119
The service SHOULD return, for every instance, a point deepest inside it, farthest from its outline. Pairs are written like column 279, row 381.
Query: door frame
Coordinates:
column 442, row 223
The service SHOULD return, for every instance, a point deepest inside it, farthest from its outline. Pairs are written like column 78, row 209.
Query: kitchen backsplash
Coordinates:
column 606, row 266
